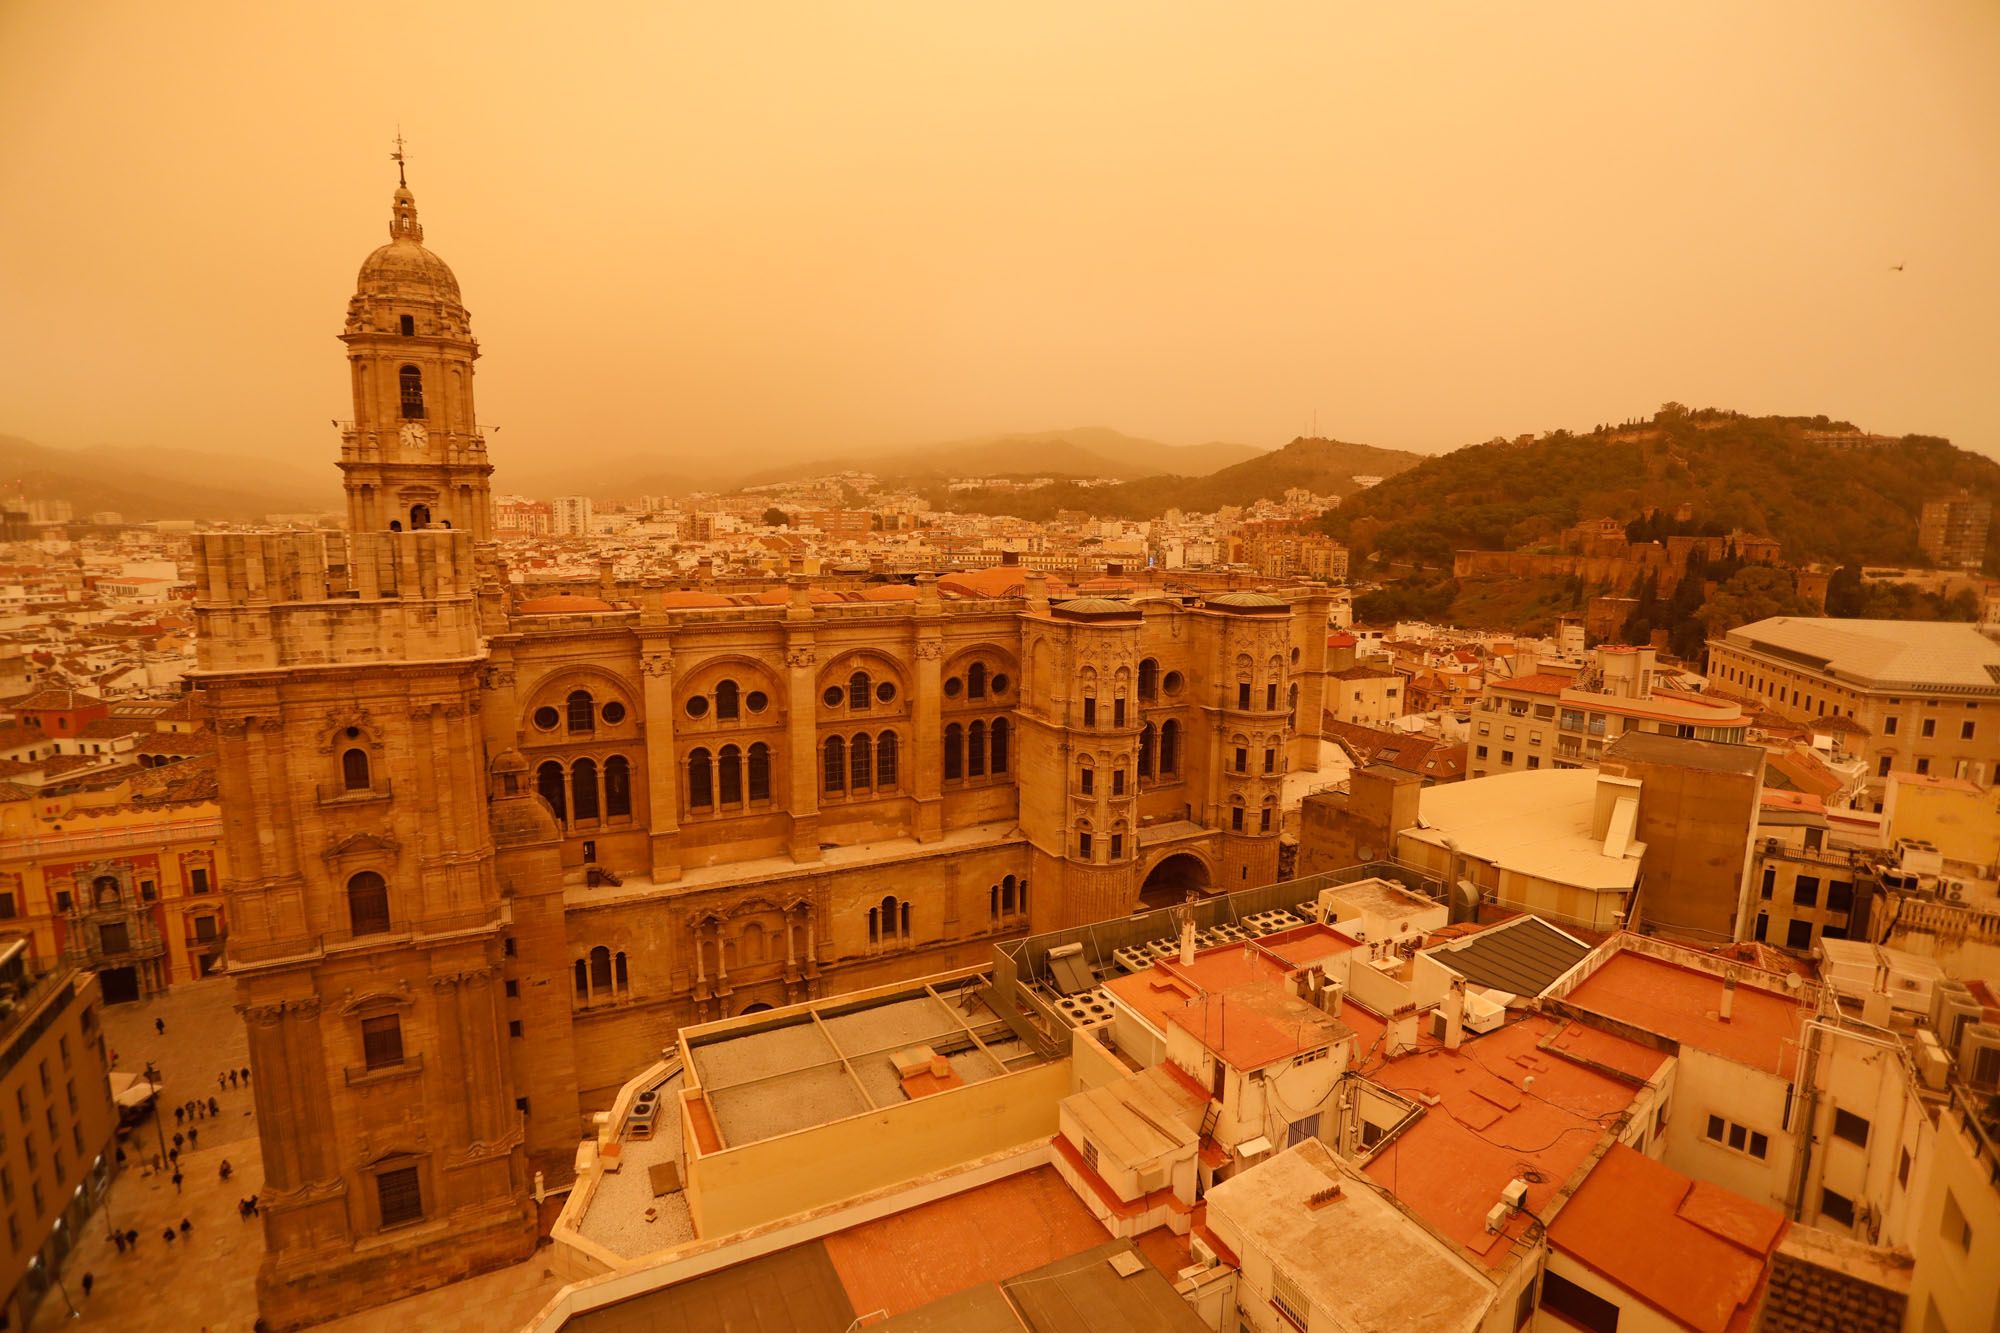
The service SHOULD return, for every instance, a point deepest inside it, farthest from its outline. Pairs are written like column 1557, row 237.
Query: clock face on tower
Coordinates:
column 414, row 434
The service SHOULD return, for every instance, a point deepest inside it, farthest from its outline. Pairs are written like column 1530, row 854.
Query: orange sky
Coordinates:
column 777, row 228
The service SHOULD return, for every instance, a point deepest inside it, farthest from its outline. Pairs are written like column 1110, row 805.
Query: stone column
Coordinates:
column 802, row 728
column 925, row 759
column 272, row 1092
column 656, row 666
column 449, row 1060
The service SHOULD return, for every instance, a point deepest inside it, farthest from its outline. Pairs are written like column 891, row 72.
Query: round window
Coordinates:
column 1295, row 657
column 1171, row 682
column 834, row 696
column 354, row 733
column 756, row 701
column 614, row 712
column 698, row 706
column 886, row 691
column 546, row 718
column 999, row 684
column 952, row 687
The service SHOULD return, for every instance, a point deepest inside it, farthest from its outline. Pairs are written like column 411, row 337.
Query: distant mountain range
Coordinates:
column 144, row 484
column 1325, row 467
column 1826, row 491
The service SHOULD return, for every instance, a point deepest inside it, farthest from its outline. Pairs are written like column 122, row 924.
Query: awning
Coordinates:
column 129, row 1090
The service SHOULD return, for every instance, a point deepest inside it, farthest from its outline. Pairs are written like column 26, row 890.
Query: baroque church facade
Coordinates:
column 493, row 844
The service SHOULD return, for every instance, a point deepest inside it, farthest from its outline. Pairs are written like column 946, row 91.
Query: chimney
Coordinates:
column 1187, row 940
column 1332, row 995
column 1728, row 998
column 1454, row 1016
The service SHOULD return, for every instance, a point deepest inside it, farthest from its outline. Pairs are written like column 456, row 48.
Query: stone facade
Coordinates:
column 488, row 851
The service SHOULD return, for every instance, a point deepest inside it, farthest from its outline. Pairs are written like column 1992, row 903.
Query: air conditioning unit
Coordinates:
column 1979, row 1057
column 1516, row 1193
column 1933, row 1065
column 1952, row 1008
column 1496, row 1216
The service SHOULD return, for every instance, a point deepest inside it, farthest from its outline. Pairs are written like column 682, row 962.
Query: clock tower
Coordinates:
column 413, row 456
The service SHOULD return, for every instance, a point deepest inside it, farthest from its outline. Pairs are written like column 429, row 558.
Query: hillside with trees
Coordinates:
column 1325, row 467
column 1824, row 490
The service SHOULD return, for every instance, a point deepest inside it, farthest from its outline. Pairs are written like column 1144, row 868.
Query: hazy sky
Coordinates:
column 747, row 227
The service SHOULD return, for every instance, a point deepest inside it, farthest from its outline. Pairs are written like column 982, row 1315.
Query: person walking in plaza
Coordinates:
column 180, row 1114
column 186, row 1226
column 179, row 1139
column 214, row 1106
column 132, row 1239
column 232, row 1078
column 89, row 1281
column 177, row 1180
column 246, row 1076
column 194, row 1136
column 169, row 1234
column 160, row 1026
column 221, row 1081
column 225, row 1168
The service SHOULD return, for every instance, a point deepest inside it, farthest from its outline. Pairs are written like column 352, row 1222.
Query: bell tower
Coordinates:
column 413, row 456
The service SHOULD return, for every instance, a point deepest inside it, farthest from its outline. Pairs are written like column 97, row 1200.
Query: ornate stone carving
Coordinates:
column 658, row 666
column 929, row 651
column 496, row 678
column 262, row 1015
column 362, row 844
column 801, row 657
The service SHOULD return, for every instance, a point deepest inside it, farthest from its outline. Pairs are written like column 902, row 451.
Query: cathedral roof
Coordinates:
column 562, row 604
column 1091, row 608
column 1244, row 601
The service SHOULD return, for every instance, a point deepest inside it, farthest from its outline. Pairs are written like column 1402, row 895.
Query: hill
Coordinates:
column 150, row 483
column 1325, row 467
column 1825, row 491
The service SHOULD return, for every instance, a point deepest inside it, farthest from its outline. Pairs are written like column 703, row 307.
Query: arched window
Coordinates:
column 858, row 690
column 1170, row 748
column 861, row 763
column 583, row 788
column 367, row 904
column 1000, row 730
column 760, row 772
column 420, row 517
column 1267, row 814
column 834, row 769
column 954, row 752
column 975, row 750
column 701, row 781
column 975, row 681
column 354, row 770
column 1149, row 680
column 889, row 917
column 582, row 712
column 410, row 381
column 582, row 980
column 727, row 699
column 729, row 775
column 903, row 927
column 1236, row 814
column 549, row 782
column 885, row 761
column 600, row 969
column 1086, row 776
column 1147, row 735
column 618, row 786
column 1007, row 895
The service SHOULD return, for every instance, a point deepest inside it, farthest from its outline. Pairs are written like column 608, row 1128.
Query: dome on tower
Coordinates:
column 404, row 268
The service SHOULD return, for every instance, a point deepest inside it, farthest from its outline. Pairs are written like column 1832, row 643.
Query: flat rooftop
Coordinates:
column 1521, row 956
column 1693, row 1251
column 1356, row 1257
column 1535, row 823
column 1880, row 652
column 1648, row 747
column 1489, row 1124
column 1684, row 1004
column 814, row 1064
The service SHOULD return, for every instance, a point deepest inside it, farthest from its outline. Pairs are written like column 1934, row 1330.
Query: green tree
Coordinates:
column 1753, row 593
column 775, row 517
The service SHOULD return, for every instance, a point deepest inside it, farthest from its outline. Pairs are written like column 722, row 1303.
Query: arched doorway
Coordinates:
column 1169, row 883
column 758, row 1007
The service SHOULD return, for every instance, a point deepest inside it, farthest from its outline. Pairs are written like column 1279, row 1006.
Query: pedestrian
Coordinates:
column 221, row 1081
column 177, row 1181
column 246, row 1074
column 160, row 1026
column 156, row 1164
column 194, row 1136
column 118, row 1239
column 214, row 1106
column 180, row 1114
column 179, row 1139
column 89, row 1281
column 174, row 1155
column 186, row 1226
column 132, row 1238
column 169, row 1234
column 242, row 1210
column 225, row 1168
column 232, row 1075
column 253, row 1206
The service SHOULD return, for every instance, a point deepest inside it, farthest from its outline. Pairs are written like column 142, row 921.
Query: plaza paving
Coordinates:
column 208, row 1281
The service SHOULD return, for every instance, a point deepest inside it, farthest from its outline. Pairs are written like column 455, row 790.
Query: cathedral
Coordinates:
column 493, row 843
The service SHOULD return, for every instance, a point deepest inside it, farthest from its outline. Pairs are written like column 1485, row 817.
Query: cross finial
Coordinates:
column 397, row 158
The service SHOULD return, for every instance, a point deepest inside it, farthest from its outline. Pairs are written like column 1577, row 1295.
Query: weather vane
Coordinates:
column 397, row 158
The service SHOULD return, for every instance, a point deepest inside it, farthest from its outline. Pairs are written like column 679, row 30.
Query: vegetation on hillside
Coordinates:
column 1325, row 467
column 1823, row 501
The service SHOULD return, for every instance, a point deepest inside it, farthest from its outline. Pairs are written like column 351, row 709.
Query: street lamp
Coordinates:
column 153, row 1078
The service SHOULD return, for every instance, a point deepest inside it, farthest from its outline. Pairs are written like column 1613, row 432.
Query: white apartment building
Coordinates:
column 572, row 515
column 1564, row 716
